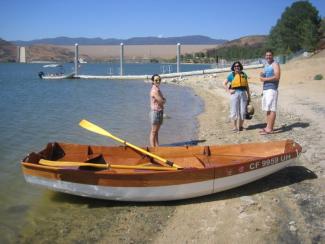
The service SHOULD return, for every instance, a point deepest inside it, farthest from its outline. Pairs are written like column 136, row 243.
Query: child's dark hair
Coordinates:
column 240, row 66
column 153, row 78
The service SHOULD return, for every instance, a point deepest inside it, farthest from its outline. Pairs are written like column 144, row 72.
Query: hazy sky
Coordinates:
column 34, row 19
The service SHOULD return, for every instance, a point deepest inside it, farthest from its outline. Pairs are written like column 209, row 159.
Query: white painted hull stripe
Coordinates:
column 157, row 193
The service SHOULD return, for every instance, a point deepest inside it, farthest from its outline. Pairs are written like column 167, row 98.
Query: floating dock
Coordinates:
column 169, row 75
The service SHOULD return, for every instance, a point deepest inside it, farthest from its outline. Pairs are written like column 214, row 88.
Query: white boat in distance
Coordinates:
column 57, row 73
column 82, row 61
column 52, row 65
column 44, row 76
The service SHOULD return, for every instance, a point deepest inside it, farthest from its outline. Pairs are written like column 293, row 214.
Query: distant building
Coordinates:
column 21, row 54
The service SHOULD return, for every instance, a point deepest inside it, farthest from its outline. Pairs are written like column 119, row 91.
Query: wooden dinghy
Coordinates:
column 125, row 174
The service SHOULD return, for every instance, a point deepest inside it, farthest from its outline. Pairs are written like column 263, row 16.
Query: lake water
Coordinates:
column 35, row 112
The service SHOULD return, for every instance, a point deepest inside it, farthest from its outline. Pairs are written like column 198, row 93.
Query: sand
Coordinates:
column 286, row 207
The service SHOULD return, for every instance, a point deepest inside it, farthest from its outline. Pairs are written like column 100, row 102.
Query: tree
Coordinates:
column 322, row 28
column 309, row 36
column 296, row 29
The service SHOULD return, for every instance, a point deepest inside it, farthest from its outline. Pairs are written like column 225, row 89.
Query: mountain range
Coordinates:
column 97, row 49
column 186, row 40
column 8, row 51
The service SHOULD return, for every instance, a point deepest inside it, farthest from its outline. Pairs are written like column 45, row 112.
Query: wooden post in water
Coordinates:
column 121, row 58
column 178, row 57
column 76, row 58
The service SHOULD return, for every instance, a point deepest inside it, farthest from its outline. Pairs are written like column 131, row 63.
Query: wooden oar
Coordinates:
column 96, row 129
column 101, row 166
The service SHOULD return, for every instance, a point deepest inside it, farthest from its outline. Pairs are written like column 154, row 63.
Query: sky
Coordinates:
column 123, row 19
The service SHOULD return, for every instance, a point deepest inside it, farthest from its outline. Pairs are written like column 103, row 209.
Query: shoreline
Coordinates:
column 286, row 207
column 277, row 208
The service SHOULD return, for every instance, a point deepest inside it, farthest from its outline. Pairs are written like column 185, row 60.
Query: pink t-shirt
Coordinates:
column 153, row 102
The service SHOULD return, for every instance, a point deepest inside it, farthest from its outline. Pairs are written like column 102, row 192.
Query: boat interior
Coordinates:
column 184, row 156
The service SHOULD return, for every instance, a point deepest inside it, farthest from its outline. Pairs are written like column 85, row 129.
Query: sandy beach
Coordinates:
column 286, row 207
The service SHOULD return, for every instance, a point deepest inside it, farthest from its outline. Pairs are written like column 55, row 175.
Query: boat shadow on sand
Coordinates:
column 283, row 128
column 285, row 177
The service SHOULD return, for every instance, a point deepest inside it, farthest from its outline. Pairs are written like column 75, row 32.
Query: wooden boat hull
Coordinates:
column 155, row 193
column 144, row 185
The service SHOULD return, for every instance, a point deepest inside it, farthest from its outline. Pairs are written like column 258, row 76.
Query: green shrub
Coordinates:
column 318, row 77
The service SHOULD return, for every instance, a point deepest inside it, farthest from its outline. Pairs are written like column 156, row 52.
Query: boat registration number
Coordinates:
column 269, row 161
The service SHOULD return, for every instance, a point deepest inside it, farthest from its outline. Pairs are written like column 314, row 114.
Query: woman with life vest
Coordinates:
column 236, row 85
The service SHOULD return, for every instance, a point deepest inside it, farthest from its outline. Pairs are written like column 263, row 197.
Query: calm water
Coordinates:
column 35, row 112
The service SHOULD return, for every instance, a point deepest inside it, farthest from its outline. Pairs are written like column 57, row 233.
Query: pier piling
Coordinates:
column 178, row 57
column 121, row 58
column 76, row 58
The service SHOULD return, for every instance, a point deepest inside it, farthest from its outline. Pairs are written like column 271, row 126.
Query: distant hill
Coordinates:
column 8, row 51
column 253, row 41
column 147, row 49
column 247, row 47
column 49, row 53
column 186, row 40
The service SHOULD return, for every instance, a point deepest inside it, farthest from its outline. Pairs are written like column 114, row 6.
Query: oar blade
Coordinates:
column 93, row 128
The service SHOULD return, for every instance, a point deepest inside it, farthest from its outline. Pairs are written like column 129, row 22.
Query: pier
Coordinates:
column 177, row 74
column 169, row 75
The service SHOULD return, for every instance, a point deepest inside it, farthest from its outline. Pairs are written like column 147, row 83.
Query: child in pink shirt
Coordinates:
column 157, row 102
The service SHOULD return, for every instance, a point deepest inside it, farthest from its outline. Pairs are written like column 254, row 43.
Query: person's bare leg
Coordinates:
column 154, row 135
column 272, row 117
column 270, row 120
column 241, row 124
column 235, row 125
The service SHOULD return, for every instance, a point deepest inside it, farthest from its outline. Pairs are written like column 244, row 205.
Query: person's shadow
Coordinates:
column 283, row 128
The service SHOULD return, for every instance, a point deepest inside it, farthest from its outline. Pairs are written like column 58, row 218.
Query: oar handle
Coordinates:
column 101, row 166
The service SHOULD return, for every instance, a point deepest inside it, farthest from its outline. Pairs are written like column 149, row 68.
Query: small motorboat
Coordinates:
column 58, row 76
column 125, row 174
column 57, row 73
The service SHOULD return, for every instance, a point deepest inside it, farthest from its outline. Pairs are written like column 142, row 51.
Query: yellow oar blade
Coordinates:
column 102, row 166
column 96, row 129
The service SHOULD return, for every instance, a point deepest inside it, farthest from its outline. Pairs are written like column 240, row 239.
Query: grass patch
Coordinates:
column 318, row 77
